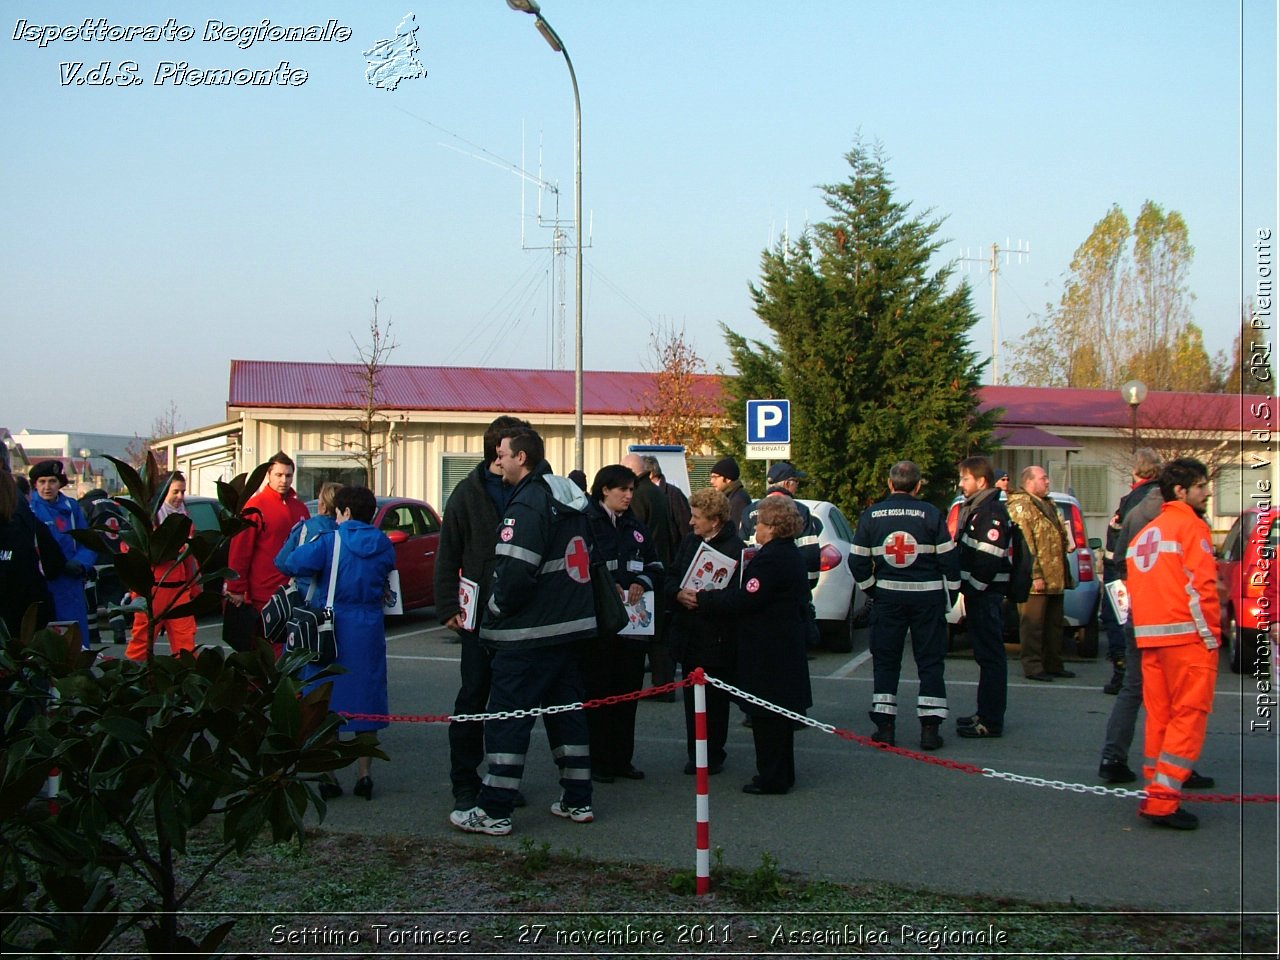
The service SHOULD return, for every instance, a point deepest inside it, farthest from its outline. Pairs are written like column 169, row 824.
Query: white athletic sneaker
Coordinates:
column 476, row 820
column 576, row 814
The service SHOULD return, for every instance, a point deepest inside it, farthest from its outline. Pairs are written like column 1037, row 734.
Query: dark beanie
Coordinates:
column 727, row 468
column 49, row 468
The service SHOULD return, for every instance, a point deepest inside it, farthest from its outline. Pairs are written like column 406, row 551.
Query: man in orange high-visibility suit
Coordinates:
column 1174, row 594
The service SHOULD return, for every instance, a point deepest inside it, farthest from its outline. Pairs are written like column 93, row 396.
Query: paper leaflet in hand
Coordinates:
column 639, row 617
column 710, row 570
column 467, row 591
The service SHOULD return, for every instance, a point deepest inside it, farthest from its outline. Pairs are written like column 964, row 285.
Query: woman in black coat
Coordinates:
column 771, row 605
column 615, row 665
column 699, row 638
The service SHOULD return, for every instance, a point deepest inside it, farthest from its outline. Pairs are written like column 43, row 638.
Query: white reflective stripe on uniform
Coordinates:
column 969, row 578
column 1164, row 780
column 867, row 584
column 506, row 783
column 990, row 548
column 931, row 707
column 1176, row 761
column 1166, row 546
column 808, row 541
column 884, row 698
column 576, row 773
column 506, row 759
column 1165, row 629
column 572, row 750
column 910, row 586
column 944, row 547
column 886, row 703
column 1197, row 613
column 611, row 564
column 552, row 566
column 953, row 584
column 859, row 550
column 511, row 634
column 917, row 548
column 1000, row 578
column 517, row 553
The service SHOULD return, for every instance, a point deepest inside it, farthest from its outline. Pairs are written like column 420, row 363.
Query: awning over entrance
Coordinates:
column 1031, row 438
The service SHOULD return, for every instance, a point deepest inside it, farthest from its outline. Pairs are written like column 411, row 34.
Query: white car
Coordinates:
column 837, row 601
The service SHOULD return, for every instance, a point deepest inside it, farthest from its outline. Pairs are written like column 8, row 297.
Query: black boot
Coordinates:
column 885, row 732
column 1117, row 678
column 929, row 736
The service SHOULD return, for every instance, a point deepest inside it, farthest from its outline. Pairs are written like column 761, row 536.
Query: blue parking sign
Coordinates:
column 768, row 421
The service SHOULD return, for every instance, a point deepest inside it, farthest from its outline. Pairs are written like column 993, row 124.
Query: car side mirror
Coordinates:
column 397, row 536
column 1095, row 543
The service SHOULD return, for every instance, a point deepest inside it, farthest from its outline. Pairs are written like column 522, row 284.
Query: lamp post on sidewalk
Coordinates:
column 1134, row 392
column 553, row 39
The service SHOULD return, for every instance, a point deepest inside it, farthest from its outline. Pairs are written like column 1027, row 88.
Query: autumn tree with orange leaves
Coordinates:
column 679, row 409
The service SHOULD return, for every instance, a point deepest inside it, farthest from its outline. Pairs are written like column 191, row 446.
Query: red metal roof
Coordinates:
column 1068, row 407
column 263, row 383
column 267, row 383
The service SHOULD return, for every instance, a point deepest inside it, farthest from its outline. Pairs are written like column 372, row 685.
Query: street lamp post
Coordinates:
column 1133, row 392
column 553, row 39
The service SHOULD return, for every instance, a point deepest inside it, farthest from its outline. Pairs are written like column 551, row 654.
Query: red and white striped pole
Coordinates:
column 703, row 869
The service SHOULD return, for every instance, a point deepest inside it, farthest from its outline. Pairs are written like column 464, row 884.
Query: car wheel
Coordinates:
column 837, row 635
column 1231, row 640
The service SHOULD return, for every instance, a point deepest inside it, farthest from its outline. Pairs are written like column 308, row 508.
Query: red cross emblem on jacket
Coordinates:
column 577, row 560
column 900, row 549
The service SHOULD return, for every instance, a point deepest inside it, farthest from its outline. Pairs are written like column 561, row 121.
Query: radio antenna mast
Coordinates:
column 1023, row 249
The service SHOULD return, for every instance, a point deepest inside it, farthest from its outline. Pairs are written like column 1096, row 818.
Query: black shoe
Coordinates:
column 603, row 778
column 1116, row 682
column 1116, row 771
column 930, row 739
column 1178, row 820
column 979, row 730
column 1041, row 676
column 363, row 788
column 1065, row 674
column 885, row 734
column 631, row 773
column 1198, row 781
column 967, row 721
column 329, row 789
column 756, row 788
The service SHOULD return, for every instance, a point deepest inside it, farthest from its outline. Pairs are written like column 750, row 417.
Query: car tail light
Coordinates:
column 830, row 558
column 1086, row 564
column 953, row 518
column 1077, row 527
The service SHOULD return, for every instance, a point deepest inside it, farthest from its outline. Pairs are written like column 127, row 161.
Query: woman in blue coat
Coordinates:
column 304, row 531
column 365, row 559
column 61, row 515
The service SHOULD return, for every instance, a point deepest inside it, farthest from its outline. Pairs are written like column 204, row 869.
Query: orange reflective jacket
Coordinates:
column 1173, row 580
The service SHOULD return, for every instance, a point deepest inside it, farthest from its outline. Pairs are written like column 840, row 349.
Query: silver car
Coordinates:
column 1080, row 603
column 839, row 605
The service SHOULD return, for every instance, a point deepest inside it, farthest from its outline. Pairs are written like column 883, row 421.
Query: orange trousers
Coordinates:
column 182, row 630
column 1177, row 690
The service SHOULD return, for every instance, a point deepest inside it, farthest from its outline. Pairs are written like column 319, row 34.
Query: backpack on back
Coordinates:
column 1021, row 566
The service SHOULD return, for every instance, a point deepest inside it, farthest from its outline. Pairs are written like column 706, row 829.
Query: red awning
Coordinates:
column 1031, row 438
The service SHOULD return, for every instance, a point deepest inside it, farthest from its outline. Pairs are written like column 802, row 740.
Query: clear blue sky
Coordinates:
column 174, row 228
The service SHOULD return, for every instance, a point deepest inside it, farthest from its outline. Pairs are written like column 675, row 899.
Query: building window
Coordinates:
column 1228, row 491
column 454, row 468
column 1090, row 483
column 316, row 469
column 700, row 472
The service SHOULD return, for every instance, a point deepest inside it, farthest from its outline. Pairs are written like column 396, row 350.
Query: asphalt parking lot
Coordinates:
column 861, row 814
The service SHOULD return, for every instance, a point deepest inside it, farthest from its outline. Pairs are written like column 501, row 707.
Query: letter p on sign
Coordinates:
column 768, row 421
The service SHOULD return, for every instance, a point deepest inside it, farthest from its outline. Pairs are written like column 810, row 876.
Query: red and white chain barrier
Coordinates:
column 698, row 680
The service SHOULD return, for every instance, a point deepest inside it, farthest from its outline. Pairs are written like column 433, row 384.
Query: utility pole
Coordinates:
column 993, row 265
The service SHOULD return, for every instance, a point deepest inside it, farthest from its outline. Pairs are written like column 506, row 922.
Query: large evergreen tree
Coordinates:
column 872, row 348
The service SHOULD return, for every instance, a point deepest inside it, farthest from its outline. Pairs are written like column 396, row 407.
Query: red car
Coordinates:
column 413, row 527
column 1248, row 585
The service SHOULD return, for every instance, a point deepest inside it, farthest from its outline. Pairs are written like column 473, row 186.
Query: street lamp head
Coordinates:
column 1134, row 392
column 524, row 6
